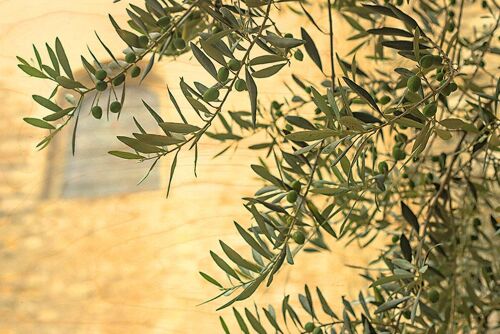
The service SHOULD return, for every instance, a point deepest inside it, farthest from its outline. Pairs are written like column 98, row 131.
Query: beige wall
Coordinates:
column 126, row 263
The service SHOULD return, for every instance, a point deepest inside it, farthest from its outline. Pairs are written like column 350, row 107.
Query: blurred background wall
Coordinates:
column 82, row 248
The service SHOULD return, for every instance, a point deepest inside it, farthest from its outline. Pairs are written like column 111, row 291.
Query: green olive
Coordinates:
column 414, row 83
column 437, row 60
column 317, row 330
column 115, row 107
column 179, row 44
column 135, row 71
column 395, row 238
column 433, row 296
column 119, row 79
column 101, row 75
column 275, row 105
column 477, row 222
column 240, row 85
column 143, row 41
column 130, row 57
column 296, row 186
column 298, row 55
column 164, row 21
column 292, row 196
column 288, row 35
column 430, row 109
column 440, row 76
column 309, row 327
column 279, row 113
column 427, row 61
column 211, row 94
column 383, row 167
column 384, row 100
column 96, row 112
column 234, row 64
column 398, row 153
column 223, row 74
column 299, row 237
column 101, row 86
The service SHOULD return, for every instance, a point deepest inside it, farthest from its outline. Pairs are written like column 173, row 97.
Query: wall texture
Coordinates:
column 129, row 262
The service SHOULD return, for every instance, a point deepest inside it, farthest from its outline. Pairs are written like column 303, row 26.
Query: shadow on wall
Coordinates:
column 92, row 171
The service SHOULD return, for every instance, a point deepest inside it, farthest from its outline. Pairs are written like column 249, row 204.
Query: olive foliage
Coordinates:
column 406, row 154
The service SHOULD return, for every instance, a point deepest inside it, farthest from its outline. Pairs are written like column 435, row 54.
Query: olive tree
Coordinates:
column 326, row 171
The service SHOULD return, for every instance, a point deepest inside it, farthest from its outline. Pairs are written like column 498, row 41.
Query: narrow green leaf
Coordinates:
column 63, row 59
column 38, row 123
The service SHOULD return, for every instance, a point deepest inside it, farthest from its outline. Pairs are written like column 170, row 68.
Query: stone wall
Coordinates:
column 124, row 262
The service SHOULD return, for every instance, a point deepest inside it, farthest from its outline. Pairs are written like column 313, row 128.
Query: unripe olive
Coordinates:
column 451, row 13
column 437, row 60
column 135, row 71
column 275, row 105
column 292, row 196
column 164, row 21
column 433, row 296
column 96, row 112
column 440, row 76
column 298, row 55
column 119, row 79
column 453, row 86
column 407, row 314
column 430, row 177
column 383, row 167
column 222, row 74
column 427, row 61
column 477, row 222
column 385, row 99
column 143, row 41
column 308, row 89
column 211, row 94
column 240, row 85
column 115, row 107
column 317, row 330
column 278, row 113
column 101, row 86
column 414, row 83
column 234, row 64
column 404, row 175
column 484, row 4
column 451, row 26
column 398, row 153
column 395, row 238
column 399, row 2
column 309, row 327
column 179, row 44
column 288, row 35
column 430, row 109
column 289, row 127
column 446, row 91
column 101, row 75
column 130, row 57
column 296, row 186
column 299, row 237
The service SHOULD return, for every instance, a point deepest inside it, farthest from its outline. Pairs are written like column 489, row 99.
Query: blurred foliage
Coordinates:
column 324, row 168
